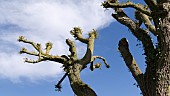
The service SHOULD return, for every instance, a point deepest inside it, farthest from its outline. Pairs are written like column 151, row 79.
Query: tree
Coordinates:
column 71, row 64
column 155, row 81
column 155, row 15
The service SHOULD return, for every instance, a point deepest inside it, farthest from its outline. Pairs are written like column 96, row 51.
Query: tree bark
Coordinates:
column 71, row 64
column 156, row 79
column 77, row 85
column 163, row 61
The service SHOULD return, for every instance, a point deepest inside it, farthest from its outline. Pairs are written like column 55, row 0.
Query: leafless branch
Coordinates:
column 42, row 56
column 34, row 61
column 22, row 39
column 48, row 47
column 146, row 20
column 138, row 32
column 58, row 86
column 139, row 7
column 72, row 49
column 128, row 58
column 102, row 58
column 90, row 47
column 130, row 61
column 77, row 33
column 151, row 3
column 71, row 64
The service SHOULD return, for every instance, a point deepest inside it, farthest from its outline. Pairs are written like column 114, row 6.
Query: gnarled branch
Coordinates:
column 42, row 56
column 77, row 33
column 138, row 32
column 22, row 39
column 72, row 65
column 139, row 7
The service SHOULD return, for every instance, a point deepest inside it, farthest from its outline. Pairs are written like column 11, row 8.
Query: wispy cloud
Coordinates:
column 43, row 21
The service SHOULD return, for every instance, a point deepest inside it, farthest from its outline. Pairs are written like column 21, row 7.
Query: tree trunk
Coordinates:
column 163, row 62
column 157, row 75
column 156, row 79
column 77, row 85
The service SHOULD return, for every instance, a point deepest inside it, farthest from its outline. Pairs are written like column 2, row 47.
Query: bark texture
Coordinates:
column 71, row 64
column 155, row 81
column 163, row 61
column 155, row 15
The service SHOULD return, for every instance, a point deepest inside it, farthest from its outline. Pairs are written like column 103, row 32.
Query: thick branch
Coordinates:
column 79, row 87
column 139, row 7
column 138, row 32
column 147, row 23
column 128, row 58
column 77, row 33
column 130, row 61
column 72, row 49
column 124, row 19
column 151, row 3
column 90, row 47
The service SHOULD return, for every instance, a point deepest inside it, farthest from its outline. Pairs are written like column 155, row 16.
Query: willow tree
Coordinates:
column 155, row 81
column 155, row 15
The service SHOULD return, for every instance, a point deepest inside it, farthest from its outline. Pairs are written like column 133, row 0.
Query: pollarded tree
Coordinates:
column 155, row 81
column 155, row 15
column 71, row 64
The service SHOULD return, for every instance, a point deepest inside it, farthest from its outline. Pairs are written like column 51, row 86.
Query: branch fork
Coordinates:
column 71, row 63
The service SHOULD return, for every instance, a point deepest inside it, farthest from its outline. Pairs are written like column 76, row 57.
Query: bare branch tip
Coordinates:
column 93, row 32
column 23, row 50
column 107, row 66
column 49, row 44
column 75, row 31
column 123, row 42
column 21, row 38
column 97, row 65
column 48, row 47
column 105, row 4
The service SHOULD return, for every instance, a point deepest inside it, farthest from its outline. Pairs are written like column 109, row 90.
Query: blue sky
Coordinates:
column 51, row 20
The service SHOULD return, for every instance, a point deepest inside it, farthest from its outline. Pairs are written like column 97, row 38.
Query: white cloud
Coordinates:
column 12, row 66
column 42, row 21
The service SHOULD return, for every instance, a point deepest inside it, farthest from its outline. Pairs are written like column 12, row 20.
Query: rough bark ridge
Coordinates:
column 163, row 61
column 155, row 15
column 71, row 64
